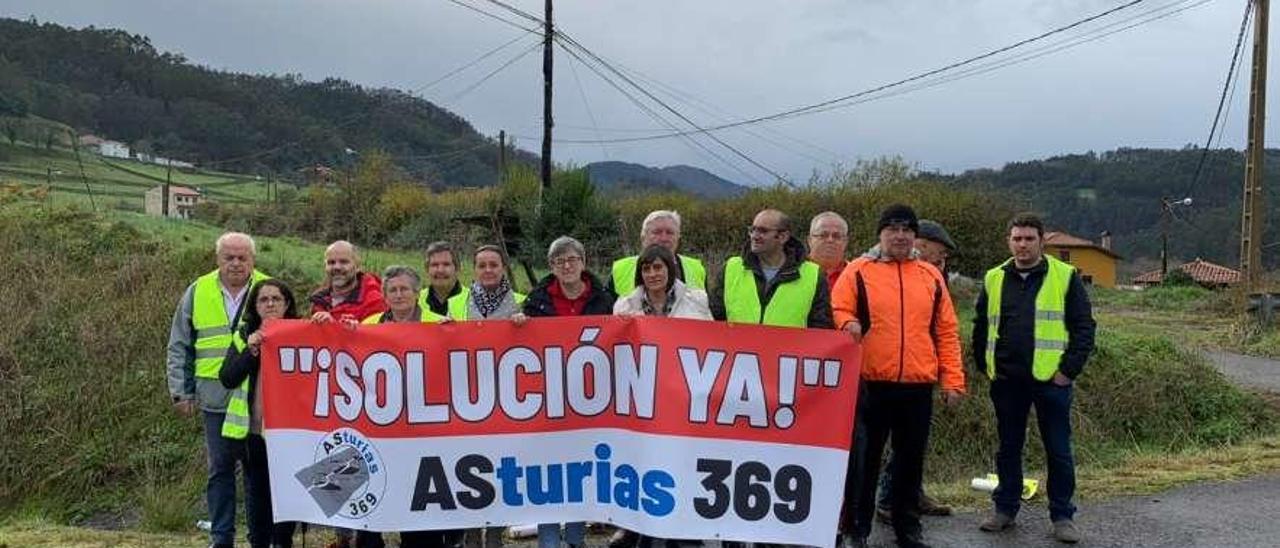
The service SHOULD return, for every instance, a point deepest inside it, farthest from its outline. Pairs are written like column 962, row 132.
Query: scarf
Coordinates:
column 489, row 301
column 648, row 308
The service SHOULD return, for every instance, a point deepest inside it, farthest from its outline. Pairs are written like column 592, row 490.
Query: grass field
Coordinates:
column 112, row 183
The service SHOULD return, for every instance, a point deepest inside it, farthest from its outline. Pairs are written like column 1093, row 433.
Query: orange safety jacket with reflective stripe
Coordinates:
column 910, row 332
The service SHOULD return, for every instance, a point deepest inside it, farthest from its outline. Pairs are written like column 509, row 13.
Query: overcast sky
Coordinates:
column 1152, row 86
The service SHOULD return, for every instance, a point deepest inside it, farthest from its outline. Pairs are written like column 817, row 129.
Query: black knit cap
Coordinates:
column 899, row 214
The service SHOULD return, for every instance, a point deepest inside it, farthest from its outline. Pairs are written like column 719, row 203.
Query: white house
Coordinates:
column 114, row 149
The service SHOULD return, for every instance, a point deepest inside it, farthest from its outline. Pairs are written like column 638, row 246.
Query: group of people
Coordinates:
column 1032, row 334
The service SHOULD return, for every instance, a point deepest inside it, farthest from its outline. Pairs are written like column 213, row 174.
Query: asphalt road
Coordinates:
column 1240, row 513
column 1248, row 371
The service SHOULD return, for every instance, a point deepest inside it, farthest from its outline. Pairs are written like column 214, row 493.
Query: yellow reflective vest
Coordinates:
column 212, row 327
column 789, row 306
column 624, row 274
column 235, row 424
column 425, row 316
column 1050, row 317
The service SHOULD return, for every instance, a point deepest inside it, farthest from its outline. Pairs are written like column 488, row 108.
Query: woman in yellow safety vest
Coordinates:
column 400, row 287
column 268, row 300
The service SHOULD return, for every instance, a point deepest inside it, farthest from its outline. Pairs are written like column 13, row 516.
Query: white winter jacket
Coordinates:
column 689, row 303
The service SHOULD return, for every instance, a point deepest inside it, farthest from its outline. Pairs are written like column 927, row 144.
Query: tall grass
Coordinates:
column 1139, row 393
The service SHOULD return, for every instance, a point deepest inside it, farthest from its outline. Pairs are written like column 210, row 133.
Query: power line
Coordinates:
column 1227, row 86
column 777, row 176
column 587, row 105
column 517, row 11
column 898, row 83
column 656, row 116
column 564, row 37
column 1061, row 45
column 492, row 73
column 365, row 115
column 720, row 114
column 466, row 66
column 499, row 18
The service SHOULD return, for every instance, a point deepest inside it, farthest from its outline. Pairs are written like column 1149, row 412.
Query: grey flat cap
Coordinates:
column 931, row 230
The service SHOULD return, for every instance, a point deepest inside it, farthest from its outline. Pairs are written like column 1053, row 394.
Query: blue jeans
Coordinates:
column 549, row 534
column 1013, row 401
column 220, row 492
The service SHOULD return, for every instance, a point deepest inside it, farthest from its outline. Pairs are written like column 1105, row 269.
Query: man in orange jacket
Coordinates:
column 898, row 307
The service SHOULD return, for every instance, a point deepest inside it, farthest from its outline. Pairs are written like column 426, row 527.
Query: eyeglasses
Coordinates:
column 761, row 230
column 829, row 235
column 562, row 262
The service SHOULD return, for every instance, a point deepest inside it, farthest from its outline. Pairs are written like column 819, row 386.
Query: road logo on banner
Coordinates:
column 347, row 478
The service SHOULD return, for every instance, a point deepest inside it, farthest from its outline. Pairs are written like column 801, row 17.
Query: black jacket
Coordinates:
column 1015, row 346
column 441, row 306
column 600, row 303
column 819, row 311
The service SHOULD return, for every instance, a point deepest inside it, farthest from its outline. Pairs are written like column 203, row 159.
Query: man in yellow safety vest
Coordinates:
column 772, row 283
column 661, row 227
column 1033, row 333
column 199, row 336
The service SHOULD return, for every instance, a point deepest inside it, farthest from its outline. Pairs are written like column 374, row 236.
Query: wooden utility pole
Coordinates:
column 548, row 34
column 502, row 156
column 1164, row 239
column 164, row 201
column 1252, row 213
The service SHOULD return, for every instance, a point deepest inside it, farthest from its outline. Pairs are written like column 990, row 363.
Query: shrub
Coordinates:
column 1136, row 393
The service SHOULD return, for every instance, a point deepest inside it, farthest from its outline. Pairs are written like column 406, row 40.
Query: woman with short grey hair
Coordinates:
column 400, row 288
column 570, row 290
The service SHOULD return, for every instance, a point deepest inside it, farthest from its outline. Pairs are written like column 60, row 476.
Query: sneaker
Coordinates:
column 931, row 507
column 1065, row 531
column 997, row 522
column 885, row 515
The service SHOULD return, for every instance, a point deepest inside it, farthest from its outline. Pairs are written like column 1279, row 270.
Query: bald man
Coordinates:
column 348, row 294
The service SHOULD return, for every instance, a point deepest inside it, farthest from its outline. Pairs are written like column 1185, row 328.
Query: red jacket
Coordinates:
column 365, row 300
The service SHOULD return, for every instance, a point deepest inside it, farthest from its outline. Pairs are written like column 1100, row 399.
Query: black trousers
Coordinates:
column 281, row 534
column 901, row 412
column 445, row 538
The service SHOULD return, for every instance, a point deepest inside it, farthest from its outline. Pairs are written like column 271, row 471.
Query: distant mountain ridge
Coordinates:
column 628, row 177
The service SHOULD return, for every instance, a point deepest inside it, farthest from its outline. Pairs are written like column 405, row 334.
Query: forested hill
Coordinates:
column 117, row 85
column 1120, row 191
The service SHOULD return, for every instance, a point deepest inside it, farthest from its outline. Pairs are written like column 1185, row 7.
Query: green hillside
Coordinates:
column 117, row 85
column 1120, row 191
